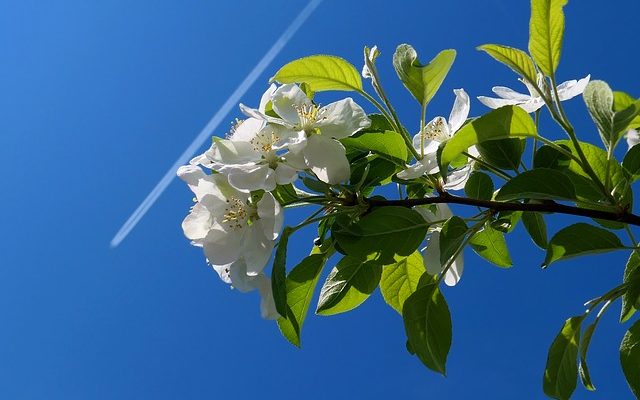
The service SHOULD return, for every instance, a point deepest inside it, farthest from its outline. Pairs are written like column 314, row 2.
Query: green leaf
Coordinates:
column 490, row 244
column 580, row 239
column 631, row 298
column 285, row 194
column 379, row 171
column 546, row 29
column 427, row 322
column 349, row 284
column 321, row 73
column 626, row 119
column 599, row 100
column 451, row 237
column 400, row 279
column 630, row 358
column 583, row 368
column 300, row 283
column 536, row 227
column 516, row 59
column 621, row 101
column 631, row 163
column 422, row 81
column 479, row 186
column 507, row 221
column 388, row 144
column 538, row 183
column 503, row 123
column 279, row 273
column 502, row 153
column 561, row 372
column 383, row 233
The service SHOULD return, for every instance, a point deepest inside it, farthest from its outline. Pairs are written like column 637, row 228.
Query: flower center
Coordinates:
column 437, row 130
column 309, row 114
column 264, row 140
column 237, row 214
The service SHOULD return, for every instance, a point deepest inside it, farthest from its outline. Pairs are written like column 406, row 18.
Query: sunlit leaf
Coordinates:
column 400, row 279
column 630, row 358
column 536, row 227
column 580, row 239
column 546, row 30
column 321, row 73
column 538, row 183
column 516, row 59
column 561, row 371
column 491, row 245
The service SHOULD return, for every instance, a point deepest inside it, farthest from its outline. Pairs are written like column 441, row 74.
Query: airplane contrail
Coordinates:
column 213, row 123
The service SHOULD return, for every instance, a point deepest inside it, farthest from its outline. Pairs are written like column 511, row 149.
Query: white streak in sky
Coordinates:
column 213, row 123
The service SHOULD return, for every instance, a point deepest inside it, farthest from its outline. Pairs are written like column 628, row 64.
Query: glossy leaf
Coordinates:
column 561, row 371
column 516, row 59
column 631, row 298
column 301, row 282
column 630, row 358
column 502, row 153
column 599, row 100
column 503, row 123
column 388, row 144
column 578, row 240
column 321, row 73
column 348, row 285
column 427, row 322
column 536, row 227
column 538, row 183
column 631, row 163
column 546, row 30
column 279, row 273
column 422, row 81
column 621, row 101
column 491, row 245
column 583, row 368
column 479, row 186
column 452, row 235
column 384, row 233
column 400, row 279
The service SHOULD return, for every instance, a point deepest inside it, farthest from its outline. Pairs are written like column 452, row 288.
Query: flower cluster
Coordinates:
column 236, row 219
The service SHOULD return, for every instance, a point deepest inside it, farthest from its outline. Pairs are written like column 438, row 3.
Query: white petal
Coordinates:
column 238, row 276
column 247, row 129
column 267, row 303
column 413, row 171
column 197, row 224
column 260, row 177
column 460, row 110
column 633, row 137
column 270, row 214
column 327, row 159
column 496, row 103
column 256, row 249
column 191, row 174
column 532, row 105
column 253, row 113
column 457, row 179
column 224, row 272
column 286, row 100
column 454, row 273
column 341, row 119
column 570, row 89
column 431, row 255
column 510, row 94
column 222, row 247
column 228, row 152
column 266, row 97
column 199, row 183
column 285, row 174
column 430, row 146
column 294, row 141
column 296, row 159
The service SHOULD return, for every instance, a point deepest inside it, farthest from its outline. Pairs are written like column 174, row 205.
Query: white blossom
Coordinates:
column 431, row 254
column 533, row 101
column 633, row 137
column 227, row 223
column 312, row 130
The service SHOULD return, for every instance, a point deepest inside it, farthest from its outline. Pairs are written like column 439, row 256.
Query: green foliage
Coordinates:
column 479, row 186
column 630, row 358
column 451, row 237
column 348, row 285
column 321, row 73
column 279, row 273
column 383, row 233
column 599, row 100
column 621, row 101
column 631, row 163
column 502, row 153
column 631, row 297
column 516, row 59
column 578, row 240
column 583, row 369
column 427, row 322
column 300, row 283
column 538, row 183
column 491, row 245
column 561, row 371
column 546, row 30
column 387, row 144
column 505, row 122
column 400, row 279
column 422, row 81
column 536, row 227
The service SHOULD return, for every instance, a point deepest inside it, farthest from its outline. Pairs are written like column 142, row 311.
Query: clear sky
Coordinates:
column 98, row 98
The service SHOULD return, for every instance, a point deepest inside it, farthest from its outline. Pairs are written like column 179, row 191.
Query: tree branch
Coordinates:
column 547, row 206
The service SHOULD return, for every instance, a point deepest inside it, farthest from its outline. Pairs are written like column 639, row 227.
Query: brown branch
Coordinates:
column 546, row 206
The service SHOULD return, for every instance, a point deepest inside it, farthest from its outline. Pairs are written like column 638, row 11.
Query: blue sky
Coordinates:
column 97, row 99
